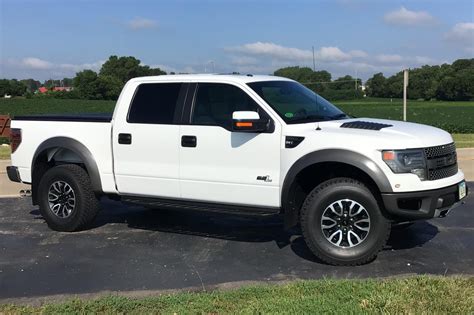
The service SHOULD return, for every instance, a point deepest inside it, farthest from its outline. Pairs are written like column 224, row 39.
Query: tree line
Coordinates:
column 346, row 87
column 443, row 82
column 453, row 82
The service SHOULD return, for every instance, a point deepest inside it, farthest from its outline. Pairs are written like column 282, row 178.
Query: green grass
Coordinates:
column 417, row 295
column 22, row 106
column 4, row 152
column 464, row 140
column 455, row 117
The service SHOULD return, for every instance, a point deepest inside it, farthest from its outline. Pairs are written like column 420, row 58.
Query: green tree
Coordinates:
column 31, row 84
column 377, row 85
column 86, row 84
column 125, row 68
column 109, row 87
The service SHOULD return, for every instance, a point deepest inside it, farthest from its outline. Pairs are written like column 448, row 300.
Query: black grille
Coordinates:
column 440, row 150
column 364, row 125
column 441, row 161
column 443, row 172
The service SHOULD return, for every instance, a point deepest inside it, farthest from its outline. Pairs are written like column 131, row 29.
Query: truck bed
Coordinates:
column 92, row 117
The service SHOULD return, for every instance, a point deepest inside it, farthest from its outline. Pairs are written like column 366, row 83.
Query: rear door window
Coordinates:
column 155, row 103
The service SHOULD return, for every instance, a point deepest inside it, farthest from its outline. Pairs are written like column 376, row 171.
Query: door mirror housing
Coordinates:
column 247, row 121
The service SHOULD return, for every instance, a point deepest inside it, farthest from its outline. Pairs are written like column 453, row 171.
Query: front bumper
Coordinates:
column 13, row 174
column 422, row 204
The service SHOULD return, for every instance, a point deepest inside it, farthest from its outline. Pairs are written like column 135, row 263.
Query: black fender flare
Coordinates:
column 348, row 157
column 79, row 149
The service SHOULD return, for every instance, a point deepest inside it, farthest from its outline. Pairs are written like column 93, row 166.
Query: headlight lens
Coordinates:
column 406, row 161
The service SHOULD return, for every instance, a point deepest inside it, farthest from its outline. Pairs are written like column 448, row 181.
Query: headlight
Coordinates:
column 406, row 161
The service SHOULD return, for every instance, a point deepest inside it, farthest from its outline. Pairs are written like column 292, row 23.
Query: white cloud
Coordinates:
column 406, row 17
column 276, row 51
column 389, row 58
column 141, row 23
column 79, row 67
column 272, row 50
column 462, row 33
column 243, row 60
column 332, row 54
column 358, row 53
column 35, row 63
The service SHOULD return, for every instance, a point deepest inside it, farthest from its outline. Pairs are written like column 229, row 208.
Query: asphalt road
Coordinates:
column 132, row 248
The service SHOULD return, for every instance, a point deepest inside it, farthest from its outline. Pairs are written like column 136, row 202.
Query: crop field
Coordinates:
column 455, row 117
column 37, row 106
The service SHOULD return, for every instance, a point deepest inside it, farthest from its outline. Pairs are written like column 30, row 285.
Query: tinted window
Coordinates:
column 295, row 103
column 215, row 103
column 154, row 103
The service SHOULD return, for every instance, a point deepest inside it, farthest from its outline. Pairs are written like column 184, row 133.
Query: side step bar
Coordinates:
column 201, row 206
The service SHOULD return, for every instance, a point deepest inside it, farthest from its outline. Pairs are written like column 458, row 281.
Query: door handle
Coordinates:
column 189, row 141
column 124, row 138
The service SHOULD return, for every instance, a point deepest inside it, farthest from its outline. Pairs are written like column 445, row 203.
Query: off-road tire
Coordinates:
column 87, row 204
column 317, row 202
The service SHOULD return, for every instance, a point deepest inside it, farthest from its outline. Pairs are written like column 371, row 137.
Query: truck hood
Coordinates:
column 398, row 135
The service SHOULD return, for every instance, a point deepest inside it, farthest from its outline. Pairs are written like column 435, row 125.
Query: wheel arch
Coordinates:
column 328, row 161
column 66, row 150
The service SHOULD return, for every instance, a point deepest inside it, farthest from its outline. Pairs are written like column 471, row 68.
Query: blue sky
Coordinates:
column 53, row 39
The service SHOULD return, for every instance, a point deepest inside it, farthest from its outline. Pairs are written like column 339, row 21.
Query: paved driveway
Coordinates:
column 133, row 248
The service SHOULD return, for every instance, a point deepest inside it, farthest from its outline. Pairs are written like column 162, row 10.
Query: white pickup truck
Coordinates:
column 254, row 145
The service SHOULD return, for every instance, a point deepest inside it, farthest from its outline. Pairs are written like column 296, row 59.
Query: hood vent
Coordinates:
column 364, row 125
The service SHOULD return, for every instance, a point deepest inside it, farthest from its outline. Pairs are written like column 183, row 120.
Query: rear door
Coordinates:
column 146, row 142
column 219, row 165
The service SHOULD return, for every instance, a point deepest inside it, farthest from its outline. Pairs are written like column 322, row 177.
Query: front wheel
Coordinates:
column 66, row 199
column 342, row 223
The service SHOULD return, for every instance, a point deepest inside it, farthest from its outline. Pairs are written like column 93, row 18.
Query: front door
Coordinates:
column 219, row 165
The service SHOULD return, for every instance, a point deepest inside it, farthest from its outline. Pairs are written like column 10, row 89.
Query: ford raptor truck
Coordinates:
column 253, row 145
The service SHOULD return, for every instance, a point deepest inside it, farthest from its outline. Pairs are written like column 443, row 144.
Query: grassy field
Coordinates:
column 22, row 106
column 4, row 152
column 417, row 295
column 455, row 117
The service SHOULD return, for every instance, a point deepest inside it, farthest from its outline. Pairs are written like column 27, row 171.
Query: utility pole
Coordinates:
column 314, row 63
column 405, row 84
column 355, row 81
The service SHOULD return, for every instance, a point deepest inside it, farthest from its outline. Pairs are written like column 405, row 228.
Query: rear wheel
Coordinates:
column 66, row 199
column 342, row 223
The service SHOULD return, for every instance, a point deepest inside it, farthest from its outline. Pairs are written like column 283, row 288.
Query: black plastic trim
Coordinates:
column 99, row 118
column 429, row 202
column 367, row 125
column 78, row 148
column 292, row 141
column 13, row 175
column 201, row 206
column 351, row 158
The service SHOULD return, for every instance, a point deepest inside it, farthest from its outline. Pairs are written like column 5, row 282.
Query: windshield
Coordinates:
column 295, row 103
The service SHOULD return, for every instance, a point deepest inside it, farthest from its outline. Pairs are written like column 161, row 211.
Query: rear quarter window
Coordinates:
column 155, row 103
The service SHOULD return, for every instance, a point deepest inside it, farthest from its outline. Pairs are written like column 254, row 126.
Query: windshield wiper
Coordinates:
column 310, row 118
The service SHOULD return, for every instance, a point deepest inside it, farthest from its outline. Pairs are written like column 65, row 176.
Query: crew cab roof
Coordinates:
column 236, row 78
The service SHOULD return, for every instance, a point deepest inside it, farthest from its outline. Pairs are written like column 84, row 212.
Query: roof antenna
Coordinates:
column 317, row 127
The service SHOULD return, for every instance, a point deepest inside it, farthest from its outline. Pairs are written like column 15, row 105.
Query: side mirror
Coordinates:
column 247, row 121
